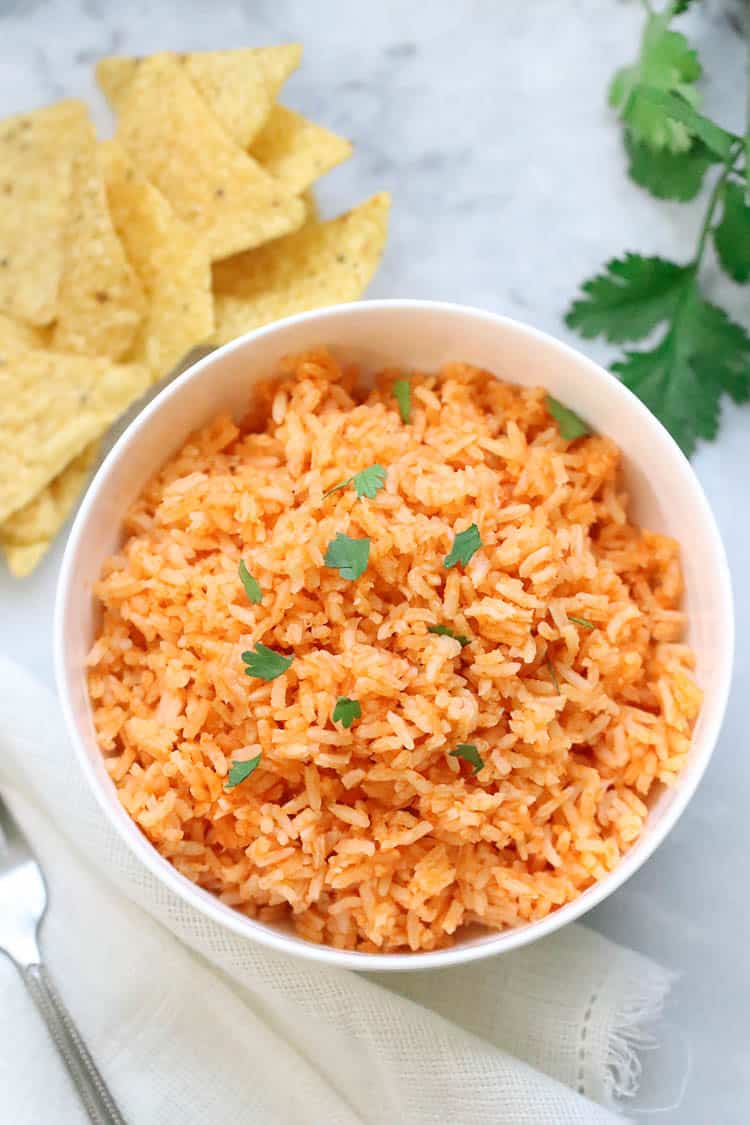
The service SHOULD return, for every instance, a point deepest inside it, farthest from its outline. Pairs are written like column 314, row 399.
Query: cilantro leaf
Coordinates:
column 444, row 631
column 665, row 380
column 732, row 235
column 668, row 175
column 629, row 299
column 252, row 589
column 568, row 422
column 367, row 482
column 240, row 770
column 465, row 546
column 402, row 394
column 667, row 63
column 264, row 663
column 346, row 711
column 470, row 754
column 348, row 556
column 680, row 112
column 582, row 621
column 701, row 354
column 721, row 345
column 681, row 380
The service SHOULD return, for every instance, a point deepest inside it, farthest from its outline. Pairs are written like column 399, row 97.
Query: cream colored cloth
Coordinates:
column 191, row 1024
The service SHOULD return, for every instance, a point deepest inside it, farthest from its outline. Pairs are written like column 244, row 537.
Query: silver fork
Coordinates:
column 23, row 901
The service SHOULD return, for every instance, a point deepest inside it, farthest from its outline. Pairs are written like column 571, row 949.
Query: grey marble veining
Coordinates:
column 487, row 121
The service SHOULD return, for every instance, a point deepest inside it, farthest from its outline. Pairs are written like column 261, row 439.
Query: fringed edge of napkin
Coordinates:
column 632, row 1028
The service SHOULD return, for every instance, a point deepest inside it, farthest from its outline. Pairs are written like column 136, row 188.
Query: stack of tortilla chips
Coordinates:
column 192, row 225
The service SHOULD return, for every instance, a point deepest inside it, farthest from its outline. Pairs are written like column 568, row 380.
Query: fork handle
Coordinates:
column 89, row 1084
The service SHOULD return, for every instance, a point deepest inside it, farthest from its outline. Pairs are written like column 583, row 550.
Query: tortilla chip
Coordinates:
column 26, row 536
column 280, row 63
column 101, row 301
column 36, row 156
column 17, row 336
column 170, row 261
column 311, row 205
column 297, row 151
column 239, row 86
column 51, row 407
column 322, row 264
column 216, row 188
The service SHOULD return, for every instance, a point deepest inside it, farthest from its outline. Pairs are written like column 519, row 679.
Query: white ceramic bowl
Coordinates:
column 666, row 495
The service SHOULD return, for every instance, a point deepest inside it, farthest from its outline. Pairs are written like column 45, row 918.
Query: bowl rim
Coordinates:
column 504, row 941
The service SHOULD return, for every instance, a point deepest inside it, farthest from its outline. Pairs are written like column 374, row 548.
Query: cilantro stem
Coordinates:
column 713, row 200
column 683, row 302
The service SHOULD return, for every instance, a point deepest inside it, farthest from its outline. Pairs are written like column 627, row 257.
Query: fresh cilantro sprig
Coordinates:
column 402, row 394
column 241, row 770
column 470, row 754
column 250, row 585
column 348, row 556
column 568, row 423
column 444, row 631
column 264, row 663
column 666, row 63
column 698, row 353
column 346, row 711
column 465, row 545
column 367, row 482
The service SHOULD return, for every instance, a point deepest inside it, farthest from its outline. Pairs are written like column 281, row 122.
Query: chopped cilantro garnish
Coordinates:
column 470, row 754
column 581, row 621
column 346, row 711
column 367, row 482
column 264, row 663
column 568, row 423
column 444, row 631
column 465, row 545
column 348, row 556
column 252, row 589
column 552, row 672
column 402, row 394
column 240, row 770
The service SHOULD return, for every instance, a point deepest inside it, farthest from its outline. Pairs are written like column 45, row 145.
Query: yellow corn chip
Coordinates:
column 216, row 188
column 170, row 261
column 114, row 74
column 101, row 302
column 239, row 86
column 26, row 535
column 36, row 155
column 297, row 151
column 311, row 204
column 51, row 407
column 22, row 560
column 279, row 63
column 17, row 336
column 322, row 264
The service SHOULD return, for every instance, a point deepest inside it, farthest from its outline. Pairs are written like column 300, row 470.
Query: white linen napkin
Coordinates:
column 191, row 1024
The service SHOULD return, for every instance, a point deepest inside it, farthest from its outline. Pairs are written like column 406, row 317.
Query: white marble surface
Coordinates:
column 487, row 121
